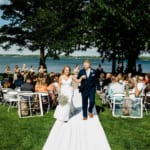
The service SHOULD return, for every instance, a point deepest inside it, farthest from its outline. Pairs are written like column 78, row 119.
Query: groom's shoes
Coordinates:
column 84, row 118
column 91, row 115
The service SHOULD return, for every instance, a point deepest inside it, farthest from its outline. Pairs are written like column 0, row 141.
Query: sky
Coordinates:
column 2, row 21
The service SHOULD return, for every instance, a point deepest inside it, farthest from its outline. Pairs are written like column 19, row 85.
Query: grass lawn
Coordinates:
column 31, row 133
column 125, row 133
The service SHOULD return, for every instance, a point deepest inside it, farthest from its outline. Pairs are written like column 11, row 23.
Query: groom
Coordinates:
column 88, row 88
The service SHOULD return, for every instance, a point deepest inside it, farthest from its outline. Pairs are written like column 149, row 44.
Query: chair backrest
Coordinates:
column 5, row 90
column 148, row 94
column 117, row 99
column 11, row 95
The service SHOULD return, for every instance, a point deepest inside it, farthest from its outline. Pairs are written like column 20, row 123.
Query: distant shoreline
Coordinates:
column 63, row 57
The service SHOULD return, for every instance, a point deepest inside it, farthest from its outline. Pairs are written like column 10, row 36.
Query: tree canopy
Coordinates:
column 42, row 24
column 119, row 27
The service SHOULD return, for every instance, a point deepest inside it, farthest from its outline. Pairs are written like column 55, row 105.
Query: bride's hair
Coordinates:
column 65, row 68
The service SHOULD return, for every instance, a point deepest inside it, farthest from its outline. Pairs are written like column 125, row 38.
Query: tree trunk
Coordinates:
column 132, row 63
column 56, row 57
column 114, row 62
column 42, row 57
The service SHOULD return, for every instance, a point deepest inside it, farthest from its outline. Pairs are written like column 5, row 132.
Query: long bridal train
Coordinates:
column 77, row 134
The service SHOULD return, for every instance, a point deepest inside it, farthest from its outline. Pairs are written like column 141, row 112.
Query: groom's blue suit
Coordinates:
column 88, row 88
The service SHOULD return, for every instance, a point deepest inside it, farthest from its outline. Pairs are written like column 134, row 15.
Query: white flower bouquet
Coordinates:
column 62, row 100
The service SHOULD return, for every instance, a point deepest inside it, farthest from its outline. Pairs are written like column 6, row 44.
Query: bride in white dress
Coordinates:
column 64, row 112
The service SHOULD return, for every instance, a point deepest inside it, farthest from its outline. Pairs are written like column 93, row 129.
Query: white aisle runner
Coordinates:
column 77, row 134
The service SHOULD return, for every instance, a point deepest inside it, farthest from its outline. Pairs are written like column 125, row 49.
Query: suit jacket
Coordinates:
column 91, row 82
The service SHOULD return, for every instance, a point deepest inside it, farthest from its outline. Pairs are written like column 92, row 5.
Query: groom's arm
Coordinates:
column 79, row 75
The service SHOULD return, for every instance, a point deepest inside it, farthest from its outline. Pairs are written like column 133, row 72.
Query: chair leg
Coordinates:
column 10, row 104
column 145, row 108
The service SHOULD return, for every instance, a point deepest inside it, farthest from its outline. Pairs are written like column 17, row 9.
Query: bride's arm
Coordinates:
column 78, row 80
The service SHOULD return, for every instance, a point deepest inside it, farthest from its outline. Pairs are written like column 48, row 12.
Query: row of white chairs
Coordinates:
column 117, row 99
column 13, row 97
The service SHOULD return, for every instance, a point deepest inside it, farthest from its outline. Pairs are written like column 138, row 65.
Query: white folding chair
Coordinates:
column 12, row 99
column 44, row 101
column 146, row 103
column 117, row 103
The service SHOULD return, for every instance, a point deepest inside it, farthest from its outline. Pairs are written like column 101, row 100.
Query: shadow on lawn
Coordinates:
column 99, row 109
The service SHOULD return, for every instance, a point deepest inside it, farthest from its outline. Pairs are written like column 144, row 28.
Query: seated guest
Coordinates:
column 147, row 90
column 116, row 86
column 147, row 79
column 5, row 79
column 41, row 85
column 107, row 80
column 139, row 86
column 19, row 81
column 52, row 91
column 9, row 84
column 27, row 86
column 42, row 70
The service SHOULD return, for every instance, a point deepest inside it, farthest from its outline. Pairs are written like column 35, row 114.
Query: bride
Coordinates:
column 63, row 112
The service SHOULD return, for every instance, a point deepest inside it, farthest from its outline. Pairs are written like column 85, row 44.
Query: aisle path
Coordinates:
column 77, row 134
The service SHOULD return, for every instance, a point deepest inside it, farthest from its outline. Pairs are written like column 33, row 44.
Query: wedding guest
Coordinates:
column 75, row 74
column 27, row 86
column 107, row 80
column 52, row 91
column 147, row 82
column 76, row 70
column 147, row 90
column 56, row 80
column 16, row 71
column 101, row 80
column 9, row 83
column 5, row 79
column 117, row 86
column 7, row 70
column 41, row 85
column 42, row 69
column 19, row 81
column 139, row 86
column 120, row 68
column 126, row 71
column 99, row 70
column 24, row 68
column 31, row 69
column 139, row 69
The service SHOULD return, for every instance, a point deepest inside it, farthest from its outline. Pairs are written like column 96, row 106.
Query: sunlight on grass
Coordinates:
column 125, row 133
column 31, row 133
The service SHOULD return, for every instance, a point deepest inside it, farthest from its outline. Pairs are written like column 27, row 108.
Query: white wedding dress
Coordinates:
column 63, row 113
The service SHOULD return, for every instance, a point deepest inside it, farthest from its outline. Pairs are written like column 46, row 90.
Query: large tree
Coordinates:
column 48, row 26
column 119, row 28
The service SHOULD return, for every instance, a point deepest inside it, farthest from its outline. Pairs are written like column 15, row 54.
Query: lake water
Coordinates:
column 57, row 65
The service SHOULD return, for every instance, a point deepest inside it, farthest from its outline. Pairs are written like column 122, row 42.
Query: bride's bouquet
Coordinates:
column 62, row 100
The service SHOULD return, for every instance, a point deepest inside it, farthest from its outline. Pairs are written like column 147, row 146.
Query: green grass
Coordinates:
column 25, row 133
column 31, row 133
column 125, row 133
